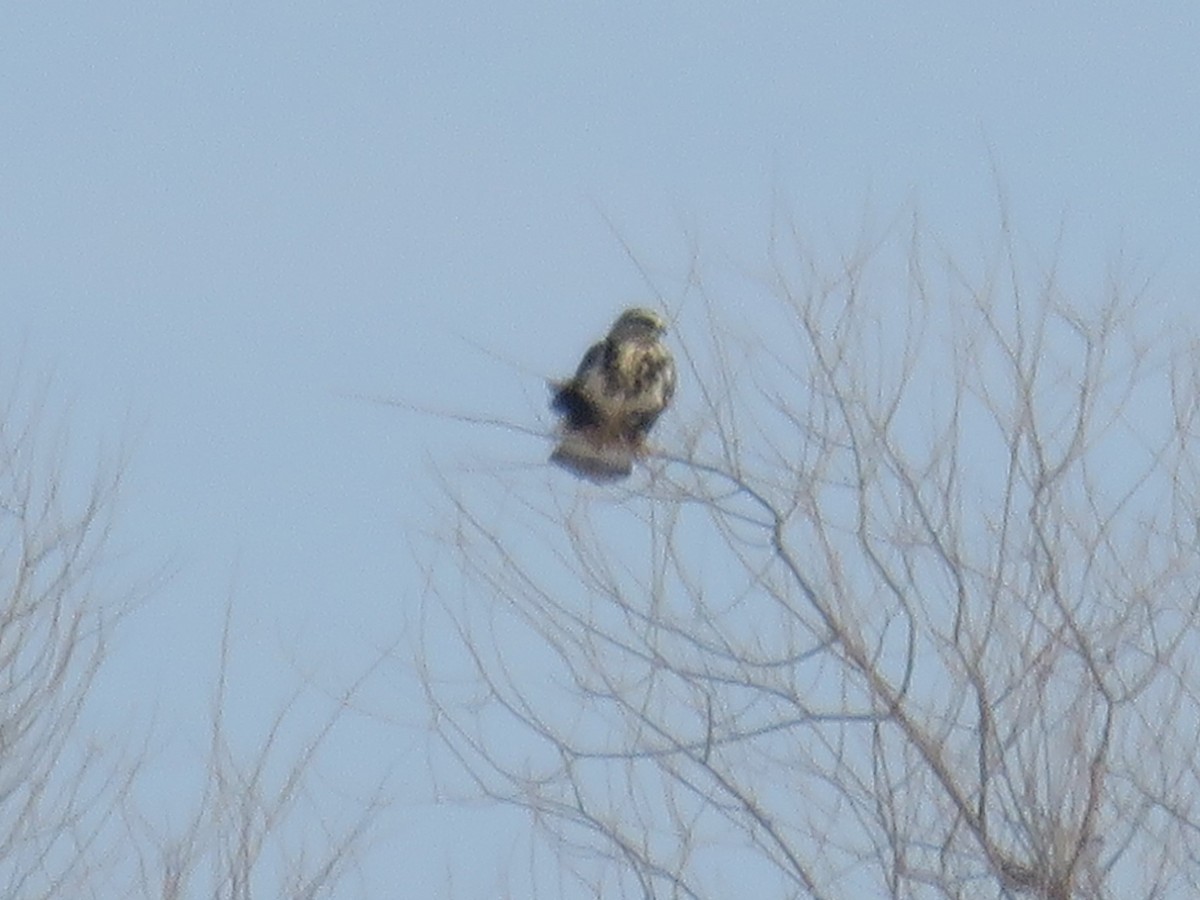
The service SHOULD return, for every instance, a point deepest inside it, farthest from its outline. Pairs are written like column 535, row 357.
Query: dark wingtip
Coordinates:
column 576, row 409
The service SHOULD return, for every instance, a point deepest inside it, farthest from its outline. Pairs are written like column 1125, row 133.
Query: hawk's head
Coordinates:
column 637, row 324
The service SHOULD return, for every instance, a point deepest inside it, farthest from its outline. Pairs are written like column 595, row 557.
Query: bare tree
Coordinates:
column 75, row 819
column 58, row 794
column 907, row 607
column 265, row 822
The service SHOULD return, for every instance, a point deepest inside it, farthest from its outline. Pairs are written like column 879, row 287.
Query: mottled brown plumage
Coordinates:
column 621, row 387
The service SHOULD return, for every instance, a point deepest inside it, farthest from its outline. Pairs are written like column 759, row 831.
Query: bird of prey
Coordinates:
column 621, row 387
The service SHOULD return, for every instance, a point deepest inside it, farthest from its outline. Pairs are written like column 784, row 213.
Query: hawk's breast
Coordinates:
column 643, row 375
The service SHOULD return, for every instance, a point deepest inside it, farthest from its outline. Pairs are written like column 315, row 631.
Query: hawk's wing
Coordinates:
column 593, row 361
column 577, row 398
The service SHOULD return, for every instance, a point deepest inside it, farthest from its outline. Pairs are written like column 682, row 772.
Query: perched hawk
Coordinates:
column 622, row 385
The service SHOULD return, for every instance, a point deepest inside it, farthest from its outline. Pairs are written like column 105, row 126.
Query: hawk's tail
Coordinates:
column 592, row 460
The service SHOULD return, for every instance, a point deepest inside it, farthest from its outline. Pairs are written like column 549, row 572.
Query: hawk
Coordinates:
column 619, row 390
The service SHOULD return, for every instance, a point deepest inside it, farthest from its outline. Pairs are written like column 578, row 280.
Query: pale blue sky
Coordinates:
column 217, row 220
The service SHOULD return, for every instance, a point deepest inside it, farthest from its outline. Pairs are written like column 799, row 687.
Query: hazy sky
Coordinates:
column 217, row 221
